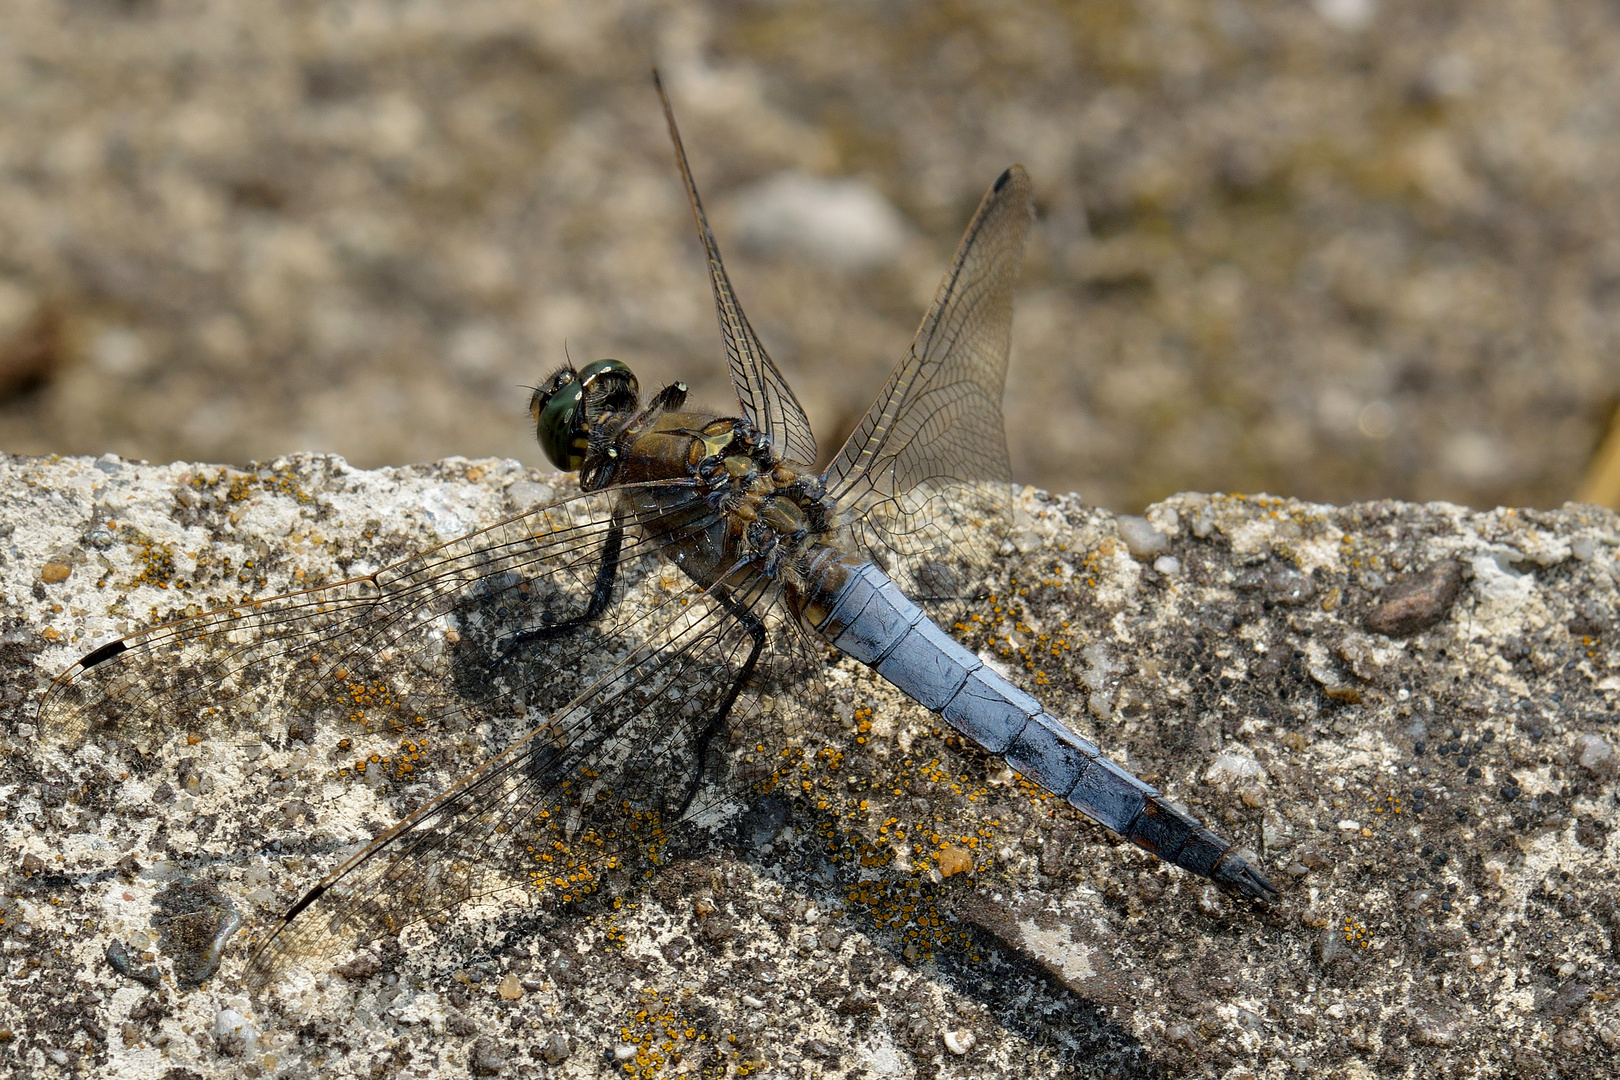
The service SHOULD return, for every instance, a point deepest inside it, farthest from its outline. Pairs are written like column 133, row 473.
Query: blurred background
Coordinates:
column 1338, row 249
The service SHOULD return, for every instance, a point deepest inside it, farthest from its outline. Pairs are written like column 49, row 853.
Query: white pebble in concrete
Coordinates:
column 1141, row 538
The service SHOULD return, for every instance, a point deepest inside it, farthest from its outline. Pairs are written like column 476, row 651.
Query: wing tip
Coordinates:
column 1011, row 172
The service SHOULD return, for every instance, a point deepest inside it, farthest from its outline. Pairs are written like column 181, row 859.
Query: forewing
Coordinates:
column 596, row 782
column 767, row 401
column 921, row 482
column 419, row 650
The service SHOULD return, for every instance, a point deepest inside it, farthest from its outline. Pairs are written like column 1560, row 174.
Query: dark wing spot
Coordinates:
column 309, row 898
column 106, row 652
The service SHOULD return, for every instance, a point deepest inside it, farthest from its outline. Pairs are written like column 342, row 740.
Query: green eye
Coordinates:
column 596, row 367
column 557, row 407
column 617, row 368
column 554, row 412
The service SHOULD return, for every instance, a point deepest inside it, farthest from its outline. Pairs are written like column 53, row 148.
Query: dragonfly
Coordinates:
column 573, row 664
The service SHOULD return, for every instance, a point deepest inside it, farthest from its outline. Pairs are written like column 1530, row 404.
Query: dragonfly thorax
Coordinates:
column 745, row 511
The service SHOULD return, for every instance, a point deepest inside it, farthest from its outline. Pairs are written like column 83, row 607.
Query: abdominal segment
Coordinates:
column 865, row 615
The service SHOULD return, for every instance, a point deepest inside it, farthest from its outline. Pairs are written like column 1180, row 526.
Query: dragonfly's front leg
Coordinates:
column 607, row 571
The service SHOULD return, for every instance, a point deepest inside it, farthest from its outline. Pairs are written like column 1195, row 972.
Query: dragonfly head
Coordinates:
column 566, row 405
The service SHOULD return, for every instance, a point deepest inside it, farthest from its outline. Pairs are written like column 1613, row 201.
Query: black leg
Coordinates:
column 601, row 595
column 669, row 399
column 756, row 630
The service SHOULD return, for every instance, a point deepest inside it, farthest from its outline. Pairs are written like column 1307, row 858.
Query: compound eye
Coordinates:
column 614, row 371
column 610, row 388
column 555, row 409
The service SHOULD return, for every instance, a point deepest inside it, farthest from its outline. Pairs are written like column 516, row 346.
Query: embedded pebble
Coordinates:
column 1202, row 522
column 1433, row 1029
column 857, row 1002
column 1277, row 584
column 53, row 573
column 1416, row 603
column 1331, row 947
column 1142, row 540
column 820, row 1048
column 510, row 989
column 556, row 1049
column 486, row 1058
column 118, row 955
column 527, row 493
column 1591, row 620
column 1168, row 565
column 1230, row 768
column 1594, row 754
column 960, row 1042
column 624, row 1052
column 234, row 1033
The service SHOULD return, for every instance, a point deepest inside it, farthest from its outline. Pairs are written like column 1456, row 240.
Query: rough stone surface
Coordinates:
column 1447, row 852
column 1344, row 249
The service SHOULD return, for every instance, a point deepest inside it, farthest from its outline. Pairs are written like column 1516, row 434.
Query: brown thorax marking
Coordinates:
column 773, row 512
column 761, row 490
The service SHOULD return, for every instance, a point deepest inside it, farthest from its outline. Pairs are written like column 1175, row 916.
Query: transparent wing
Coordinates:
column 397, row 652
column 600, row 781
column 924, row 474
column 767, row 401
column 939, row 415
column 553, row 676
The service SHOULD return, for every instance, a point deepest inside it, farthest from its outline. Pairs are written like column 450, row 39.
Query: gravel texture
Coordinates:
column 1343, row 249
column 1439, row 810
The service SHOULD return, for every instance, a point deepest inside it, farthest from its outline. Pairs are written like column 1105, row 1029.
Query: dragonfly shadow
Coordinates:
column 915, row 922
column 785, row 841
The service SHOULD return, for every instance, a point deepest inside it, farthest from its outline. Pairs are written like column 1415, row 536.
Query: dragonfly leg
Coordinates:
column 756, row 630
column 669, row 399
column 601, row 595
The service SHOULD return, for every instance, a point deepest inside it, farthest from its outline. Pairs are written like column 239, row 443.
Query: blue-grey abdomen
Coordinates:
column 865, row 615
